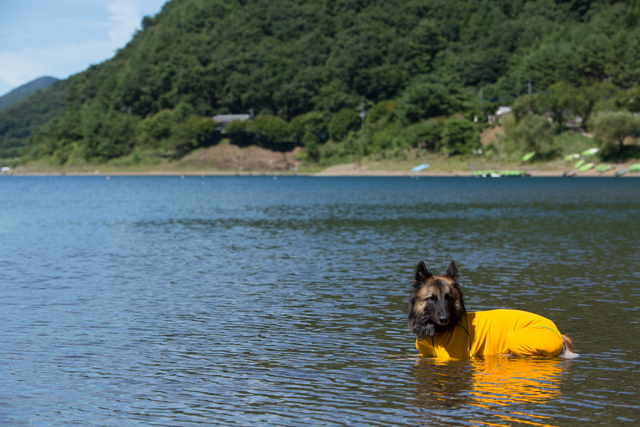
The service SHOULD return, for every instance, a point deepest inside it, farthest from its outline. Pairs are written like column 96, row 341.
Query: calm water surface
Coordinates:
column 249, row 300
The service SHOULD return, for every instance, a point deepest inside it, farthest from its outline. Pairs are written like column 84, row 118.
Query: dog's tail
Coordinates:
column 568, row 351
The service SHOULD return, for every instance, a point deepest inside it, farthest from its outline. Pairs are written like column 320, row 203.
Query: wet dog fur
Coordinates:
column 436, row 305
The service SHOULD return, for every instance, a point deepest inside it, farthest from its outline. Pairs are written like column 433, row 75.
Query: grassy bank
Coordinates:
column 255, row 161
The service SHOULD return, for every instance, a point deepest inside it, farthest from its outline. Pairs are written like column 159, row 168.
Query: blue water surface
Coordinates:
column 246, row 300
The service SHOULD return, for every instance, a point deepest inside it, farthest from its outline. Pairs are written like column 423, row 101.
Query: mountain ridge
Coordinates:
column 26, row 90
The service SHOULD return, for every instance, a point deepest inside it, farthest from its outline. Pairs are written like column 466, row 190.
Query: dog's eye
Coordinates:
column 431, row 297
column 447, row 296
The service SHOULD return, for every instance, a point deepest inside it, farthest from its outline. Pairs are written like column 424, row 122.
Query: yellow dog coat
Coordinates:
column 494, row 332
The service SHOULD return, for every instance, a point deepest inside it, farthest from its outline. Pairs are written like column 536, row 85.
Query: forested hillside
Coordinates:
column 18, row 121
column 305, row 67
column 24, row 91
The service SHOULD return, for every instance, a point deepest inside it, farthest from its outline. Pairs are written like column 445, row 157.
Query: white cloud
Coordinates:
column 58, row 60
column 20, row 68
column 5, row 87
column 68, row 42
column 62, row 59
column 125, row 18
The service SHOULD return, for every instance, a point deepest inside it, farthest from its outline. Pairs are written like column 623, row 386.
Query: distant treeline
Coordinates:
column 24, row 91
column 305, row 67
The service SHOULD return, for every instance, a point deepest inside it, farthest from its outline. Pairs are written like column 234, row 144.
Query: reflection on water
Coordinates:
column 253, row 301
column 489, row 391
column 442, row 384
column 507, row 381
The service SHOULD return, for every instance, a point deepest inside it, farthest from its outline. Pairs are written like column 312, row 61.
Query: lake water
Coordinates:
column 259, row 301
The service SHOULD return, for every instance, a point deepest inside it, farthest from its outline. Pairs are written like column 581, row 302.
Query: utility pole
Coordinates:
column 363, row 113
column 530, row 88
column 481, row 107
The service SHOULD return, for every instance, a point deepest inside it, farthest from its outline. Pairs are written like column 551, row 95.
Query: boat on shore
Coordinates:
column 500, row 174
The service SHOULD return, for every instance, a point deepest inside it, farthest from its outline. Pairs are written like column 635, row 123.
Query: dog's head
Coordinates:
column 436, row 304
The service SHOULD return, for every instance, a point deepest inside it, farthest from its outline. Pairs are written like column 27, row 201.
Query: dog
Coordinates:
column 437, row 315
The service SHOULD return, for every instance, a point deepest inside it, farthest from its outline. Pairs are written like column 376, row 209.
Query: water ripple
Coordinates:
column 161, row 301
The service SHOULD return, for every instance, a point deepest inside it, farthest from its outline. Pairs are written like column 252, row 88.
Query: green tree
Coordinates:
column 195, row 132
column 422, row 101
column 425, row 42
column 156, row 128
column 557, row 99
column 383, row 110
column 526, row 105
column 633, row 13
column 427, row 134
column 271, row 128
column 614, row 126
column 460, row 136
column 532, row 133
column 345, row 121
column 308, row 128
column 596, row 97
column 240, row 132
column 628, row 99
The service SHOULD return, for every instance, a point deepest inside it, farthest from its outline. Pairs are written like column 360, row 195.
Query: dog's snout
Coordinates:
column 443, row 320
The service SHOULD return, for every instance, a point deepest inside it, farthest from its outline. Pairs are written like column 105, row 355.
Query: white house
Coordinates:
column 502, row 110
column 223, row 119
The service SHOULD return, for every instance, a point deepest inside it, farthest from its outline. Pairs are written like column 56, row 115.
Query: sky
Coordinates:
column 63, row 37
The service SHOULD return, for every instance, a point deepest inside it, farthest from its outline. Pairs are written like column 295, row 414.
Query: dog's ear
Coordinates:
column 422, row 274
column 452, row 271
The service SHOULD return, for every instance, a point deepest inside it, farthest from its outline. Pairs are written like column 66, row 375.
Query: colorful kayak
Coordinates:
column 603, row 168
column 586, row 167
column 590, row 152
column 420, row 167
column 514, row 173
column 484, row 174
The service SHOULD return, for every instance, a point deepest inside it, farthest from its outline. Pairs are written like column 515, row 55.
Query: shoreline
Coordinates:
column 331, row 171
column 231, row 160
column 342, row 170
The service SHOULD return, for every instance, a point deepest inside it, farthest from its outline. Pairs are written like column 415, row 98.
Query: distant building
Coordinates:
column 502, row 110
column 223, row 119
